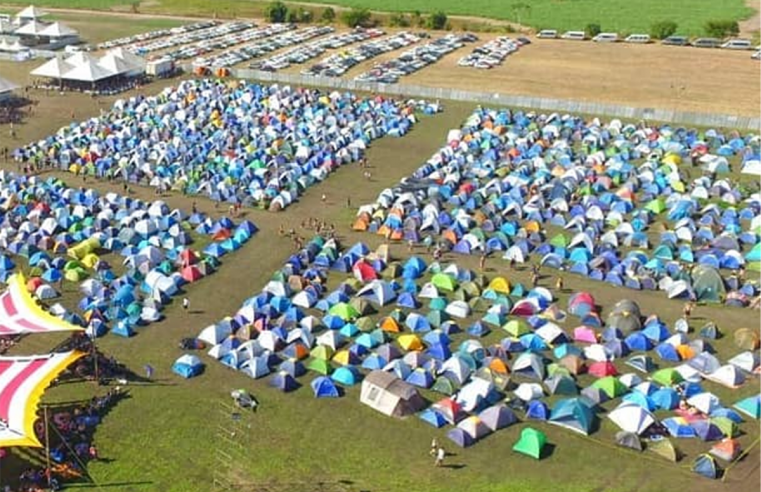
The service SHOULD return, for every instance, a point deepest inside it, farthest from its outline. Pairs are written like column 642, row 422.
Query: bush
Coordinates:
column 357, row 17
column 276, row 12
column 305, row 16
column 722, row 28
column 328, row 15
column 662, row 29
column 292, row 17
column 398, row 20
column 437, row 21
column 592, row 29
column 417, row 19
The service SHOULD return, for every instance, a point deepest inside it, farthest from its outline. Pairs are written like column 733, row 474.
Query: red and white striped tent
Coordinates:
column 22, row 382
column 19, row 312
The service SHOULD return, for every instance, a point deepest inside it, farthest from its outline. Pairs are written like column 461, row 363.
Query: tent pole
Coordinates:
column 48, row 471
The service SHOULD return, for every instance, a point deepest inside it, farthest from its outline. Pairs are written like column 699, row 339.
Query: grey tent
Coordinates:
column 497, row 417
column 560, row 384
column 627, row 305
column 390, row 395
column 626, row 321
column 628, row 440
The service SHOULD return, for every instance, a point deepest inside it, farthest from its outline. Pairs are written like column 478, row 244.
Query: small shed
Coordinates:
column 390, row 395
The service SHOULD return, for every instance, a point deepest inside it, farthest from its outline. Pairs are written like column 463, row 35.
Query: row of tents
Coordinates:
column 236, row 142
column 401, row 328
column 61, row 234
column 610, row 201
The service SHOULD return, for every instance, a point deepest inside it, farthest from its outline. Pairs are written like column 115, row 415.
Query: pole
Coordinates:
column 48, row 471
column 95, row 356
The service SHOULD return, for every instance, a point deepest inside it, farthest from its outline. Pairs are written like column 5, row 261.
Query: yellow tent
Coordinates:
column 410, row 342
column 84, row 248
column 500, row 284
column 89, row 260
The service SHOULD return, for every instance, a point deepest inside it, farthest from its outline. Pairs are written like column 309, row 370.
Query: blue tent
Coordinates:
column 537, row 410
column 188, row 366
column 432, row 417
column 324, row 387
column 283, row 381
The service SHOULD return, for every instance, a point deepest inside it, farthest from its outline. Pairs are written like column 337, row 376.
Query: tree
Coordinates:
column 417, row 19
column 437, row 21
column 276, row 12
column 662, row 29
column 292, row 17
column 328, row 15
column 357, row 17
column 305, row 16
column 592, row 29
column 722, row 28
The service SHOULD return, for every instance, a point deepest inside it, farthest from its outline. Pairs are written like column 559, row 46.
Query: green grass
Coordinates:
column 624, row 16
column 175, row 435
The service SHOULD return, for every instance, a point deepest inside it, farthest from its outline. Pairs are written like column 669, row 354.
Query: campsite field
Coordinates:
column 612, row 15
column 175, row 435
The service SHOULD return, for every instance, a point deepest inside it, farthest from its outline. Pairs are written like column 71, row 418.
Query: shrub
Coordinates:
column 357, row 17
column 292, row 17
column 398, row 20
column 592, row 29
column 437, row 21
column 328, row 15
column 417, row 19
column 305, row 16
column 662, row 29
column 276, row 12
column 722, row 28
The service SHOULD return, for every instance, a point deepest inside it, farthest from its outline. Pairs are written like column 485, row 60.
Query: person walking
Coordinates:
column 440, row 454
column 148, row 371
column 185, row 303
column 559, row 283
column 434, row 447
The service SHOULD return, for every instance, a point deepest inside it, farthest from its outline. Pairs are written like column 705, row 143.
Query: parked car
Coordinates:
column 676, row 41
column 756, row 55
column 547, row 34
column 706, row 43
column 737, row 44
column 606, row 37
column 637, row 38
column 574, row 35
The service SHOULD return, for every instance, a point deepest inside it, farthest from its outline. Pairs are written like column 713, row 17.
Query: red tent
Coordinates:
column 364, row 271
column 33, row 283
column 191, row 273
column 188, row 257
column 602, row 369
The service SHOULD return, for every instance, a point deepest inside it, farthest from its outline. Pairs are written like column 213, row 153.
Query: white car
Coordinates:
column 737, row 44
column 606, row 37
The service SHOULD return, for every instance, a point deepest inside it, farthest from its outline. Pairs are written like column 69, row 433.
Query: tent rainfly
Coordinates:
column 390, row 395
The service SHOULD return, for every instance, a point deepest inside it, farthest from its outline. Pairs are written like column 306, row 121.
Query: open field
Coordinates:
column 612, row 15
column 170, row 435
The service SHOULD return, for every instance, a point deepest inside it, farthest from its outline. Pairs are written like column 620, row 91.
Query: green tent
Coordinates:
column 321, row 366
column 437, row 317
column 664, row 447
column 365, row 324
column 725, row 425
column 362, row 306
column 444, row 282
column 559, row 241
column 322, row 352
column 708, row 284
column 657, row 206
column 437, row 303
column 444, row 385
column 344, row 311
column 531, row 443
column 611, row 386
column 517, row 327
column 667, row 376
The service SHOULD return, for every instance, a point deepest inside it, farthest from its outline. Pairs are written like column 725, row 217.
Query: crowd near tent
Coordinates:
column 234, row 142
column 609, row 201
column 395, row 331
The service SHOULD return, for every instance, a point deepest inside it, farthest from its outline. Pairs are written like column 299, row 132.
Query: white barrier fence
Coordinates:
column 495, row 99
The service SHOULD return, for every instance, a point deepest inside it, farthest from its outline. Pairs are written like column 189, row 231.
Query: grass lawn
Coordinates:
column 176, row 435
column 612, row 15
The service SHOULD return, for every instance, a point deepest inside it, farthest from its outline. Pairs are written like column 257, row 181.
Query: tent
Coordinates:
column 705, row 465
column 389, row 395
column 631, row 417
column 497, row 416
column 574, row 414
column 188, row 366
column 22, row 383
column 628, row 440
column 531, row 443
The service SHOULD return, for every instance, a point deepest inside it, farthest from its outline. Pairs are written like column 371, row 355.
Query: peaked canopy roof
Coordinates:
column 20, row 314
column 22, row 382
column 88, row 71
column 31, row 12
column 54, row 68
column 32, row 28
column 58, row 30
column 6, row 85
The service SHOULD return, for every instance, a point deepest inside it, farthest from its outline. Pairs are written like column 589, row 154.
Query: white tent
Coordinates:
column 88, row 72
column 137, row 62
column 31, row 13
column 79, row 58
column 632, row 418
column 54, row 69
column 6, row 87
column 58, row 30
column 6, row 26
column 115, row 65
column 32, row 28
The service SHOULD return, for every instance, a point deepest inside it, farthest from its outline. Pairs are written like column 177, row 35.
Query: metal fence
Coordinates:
column 496, row 99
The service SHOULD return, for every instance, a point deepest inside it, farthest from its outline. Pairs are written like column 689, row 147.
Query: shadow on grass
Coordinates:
column 108, row 485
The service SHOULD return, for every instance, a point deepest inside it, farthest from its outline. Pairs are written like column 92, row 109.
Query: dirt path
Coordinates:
column 109, row 13
column 752, row 25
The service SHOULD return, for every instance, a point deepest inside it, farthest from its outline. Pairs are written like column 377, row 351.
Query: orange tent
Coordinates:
column 389, row 324
column 498, row 365
column 450, row 236
column 685, row 352
column 531, row 226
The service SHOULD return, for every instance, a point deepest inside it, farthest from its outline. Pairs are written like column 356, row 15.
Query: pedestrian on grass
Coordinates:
column 482, row 262
column 185, row 303
column 559, row 283
column 534, row 279
column 148, row 371
column 440, row 454
column 434, row 447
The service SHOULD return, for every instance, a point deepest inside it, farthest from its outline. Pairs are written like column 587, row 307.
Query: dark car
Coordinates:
column 676, row 41
column 706, row 43
column 523, row 41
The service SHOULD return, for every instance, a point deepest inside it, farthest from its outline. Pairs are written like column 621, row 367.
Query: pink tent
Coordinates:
column 584, row 334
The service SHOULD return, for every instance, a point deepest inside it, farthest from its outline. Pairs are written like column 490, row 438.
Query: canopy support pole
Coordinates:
column 48, row 471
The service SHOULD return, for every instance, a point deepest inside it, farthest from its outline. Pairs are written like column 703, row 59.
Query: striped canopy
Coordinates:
column 22, row 382
column 19, row 313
